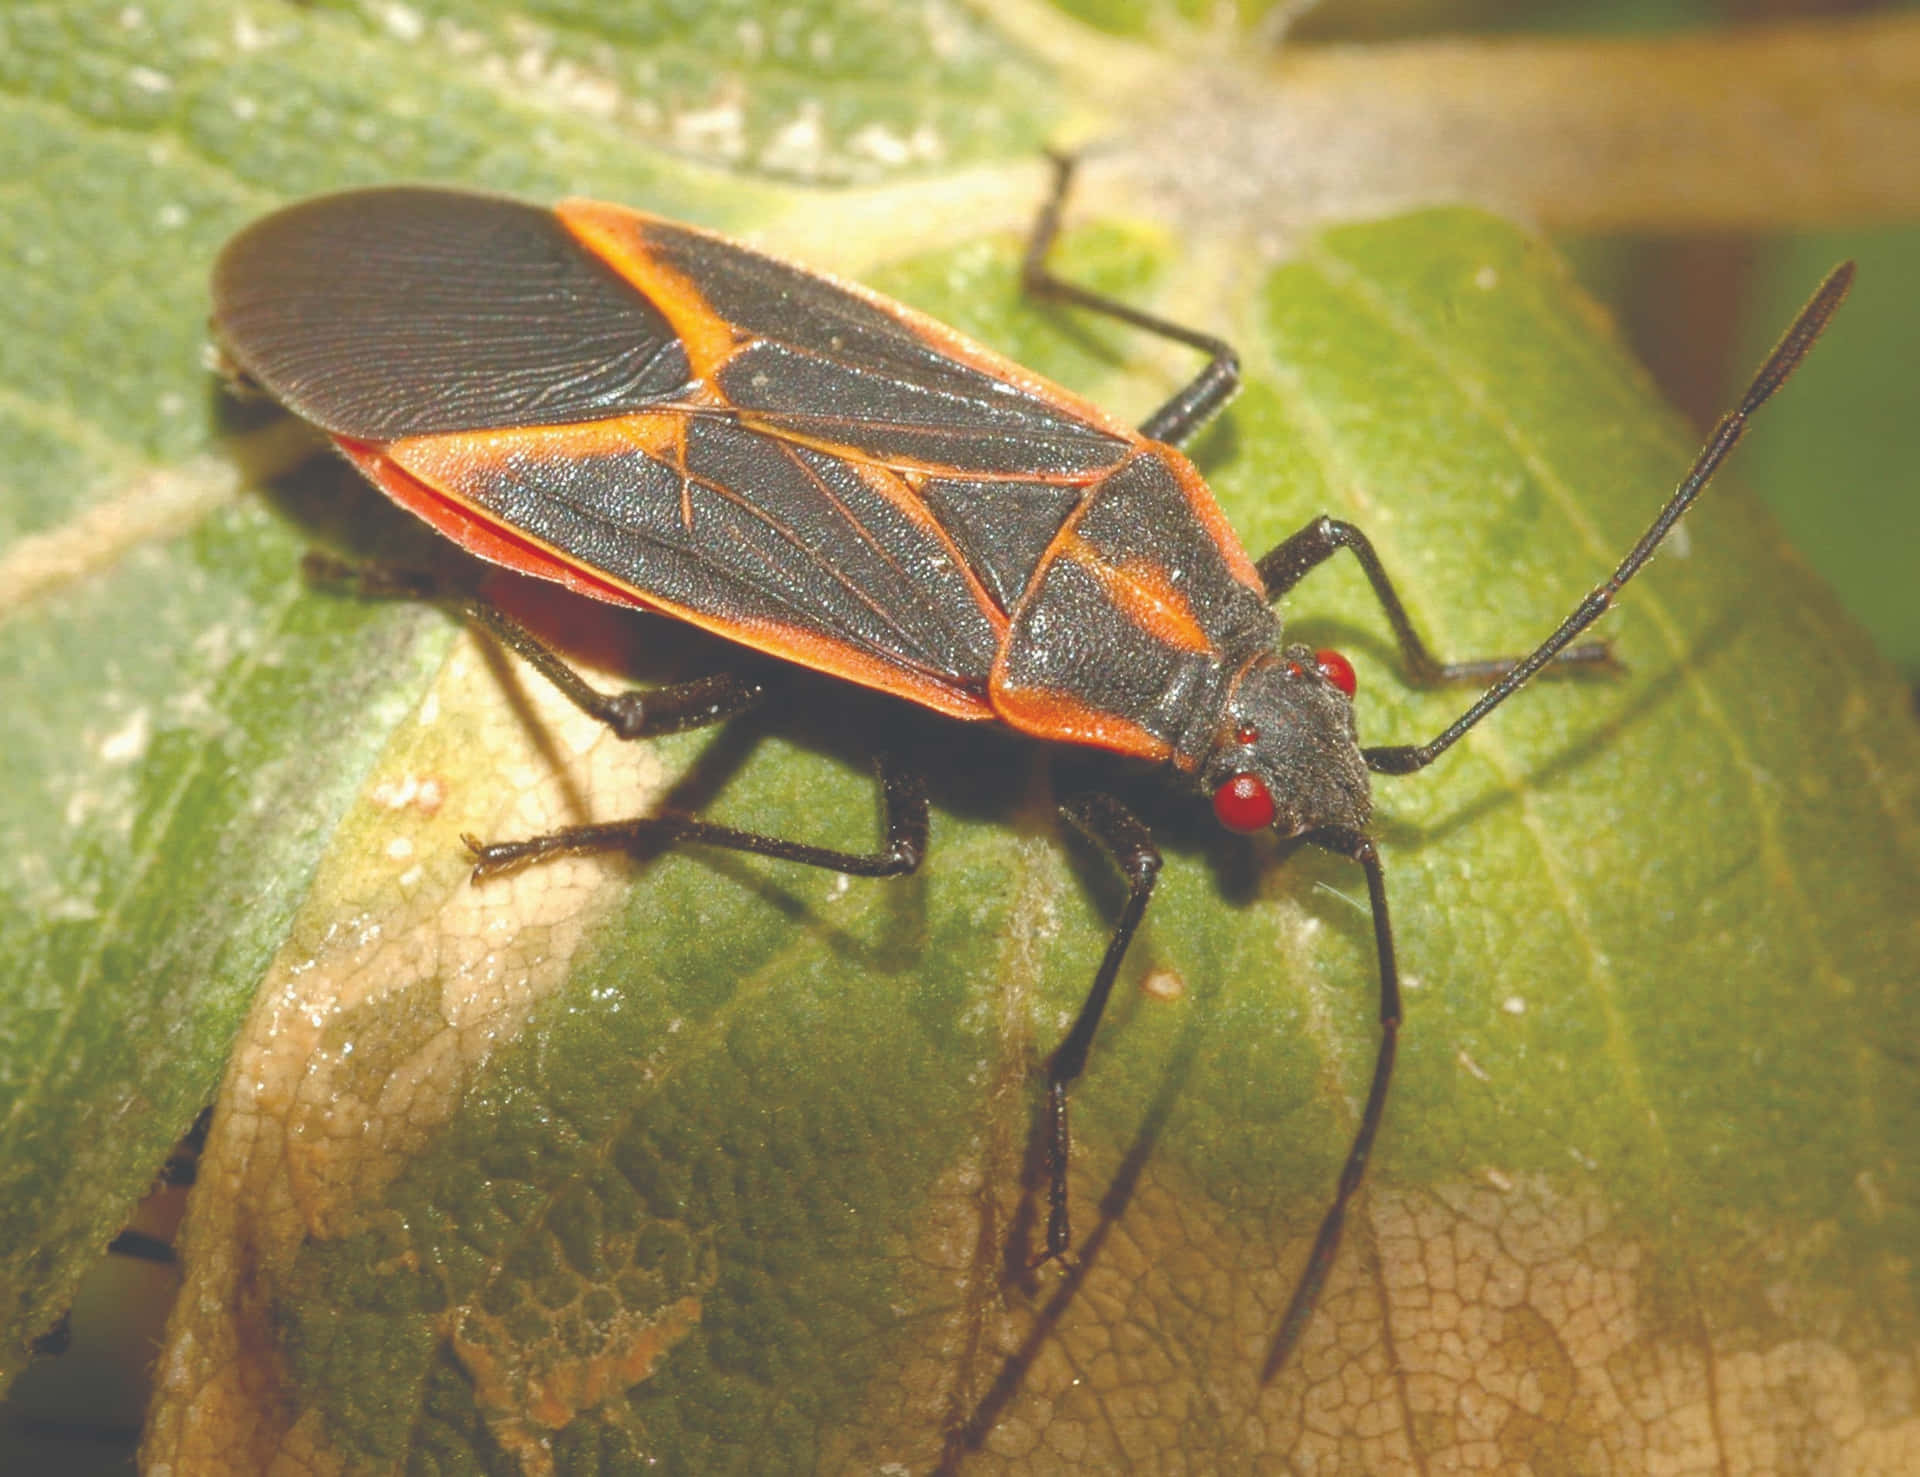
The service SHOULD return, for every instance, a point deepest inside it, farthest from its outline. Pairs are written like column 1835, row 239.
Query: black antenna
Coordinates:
column 1785, row 358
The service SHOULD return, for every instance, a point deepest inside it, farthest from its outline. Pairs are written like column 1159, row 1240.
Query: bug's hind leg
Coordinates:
column 903, row 792
column 635, row 713
column 646, row 713
column 1202, row 397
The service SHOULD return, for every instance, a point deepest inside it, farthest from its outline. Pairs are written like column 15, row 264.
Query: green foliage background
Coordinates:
column 1661, row 932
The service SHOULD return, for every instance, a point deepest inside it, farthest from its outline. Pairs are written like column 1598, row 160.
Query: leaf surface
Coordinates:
column 728, row 1165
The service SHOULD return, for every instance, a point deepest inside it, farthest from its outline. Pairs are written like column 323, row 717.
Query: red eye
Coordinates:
column 1243, row 803
column 1337, row 670
column 1246, row 733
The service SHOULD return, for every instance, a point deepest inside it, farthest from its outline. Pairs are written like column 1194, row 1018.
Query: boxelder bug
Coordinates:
column 654, row 416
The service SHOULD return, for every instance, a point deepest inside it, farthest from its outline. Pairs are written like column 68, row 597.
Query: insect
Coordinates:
column 651, row 415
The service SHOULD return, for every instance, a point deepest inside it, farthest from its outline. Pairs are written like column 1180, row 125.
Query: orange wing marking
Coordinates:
column 612, row 234
column 616, row 235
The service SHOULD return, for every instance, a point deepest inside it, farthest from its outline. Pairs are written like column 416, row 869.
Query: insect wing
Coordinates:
column 653, row 414
column 388, row 313
column 825, row 562
column 811, row 358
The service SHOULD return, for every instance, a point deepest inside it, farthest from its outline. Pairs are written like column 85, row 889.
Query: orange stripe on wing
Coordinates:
column 617, row 237
column 660, row 434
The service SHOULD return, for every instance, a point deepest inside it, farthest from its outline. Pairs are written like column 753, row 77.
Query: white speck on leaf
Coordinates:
column 403, row 22
column 129, row 741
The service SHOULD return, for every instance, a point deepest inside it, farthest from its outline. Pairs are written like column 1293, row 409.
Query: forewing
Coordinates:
column 831, row 563
column 652, row 413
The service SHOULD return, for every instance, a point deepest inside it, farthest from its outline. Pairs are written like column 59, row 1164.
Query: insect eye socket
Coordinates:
column 1244, row 803
column 1337, row 670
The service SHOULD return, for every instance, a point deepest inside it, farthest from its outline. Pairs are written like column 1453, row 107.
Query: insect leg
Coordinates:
column 693, row 704
column 1202, row 398
column 645, row 713
column 1785, row 358
column 1313, row 1278
column 1108, row 822
column 636, row 713
column 1288, row 562
column 903, row 792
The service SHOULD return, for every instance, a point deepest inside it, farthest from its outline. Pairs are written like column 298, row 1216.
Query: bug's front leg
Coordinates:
column 1201, row 398
column 1326, row 1244
column 1126, row 839
column 1288, row 562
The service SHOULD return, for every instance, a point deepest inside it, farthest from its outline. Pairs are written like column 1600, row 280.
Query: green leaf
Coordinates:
column 723, row 1164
